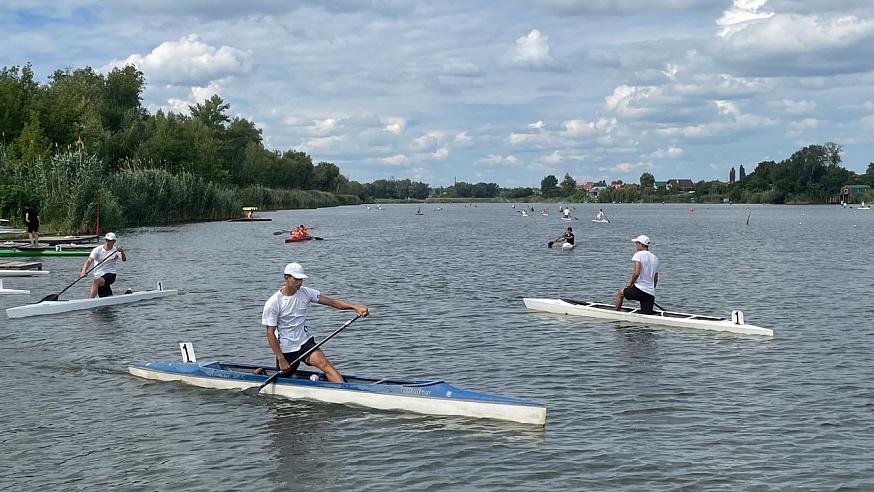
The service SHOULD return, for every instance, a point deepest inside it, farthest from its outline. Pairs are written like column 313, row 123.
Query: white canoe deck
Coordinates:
column 18, row 273
column 667, row 318
column 60, row 306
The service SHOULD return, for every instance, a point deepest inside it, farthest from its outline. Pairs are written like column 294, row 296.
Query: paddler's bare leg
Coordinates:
column 620, row 296
column 318, row 359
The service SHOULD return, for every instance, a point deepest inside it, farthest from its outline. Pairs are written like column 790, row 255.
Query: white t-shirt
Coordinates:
column 289, row 315
column 649, row 266
column 99, row 254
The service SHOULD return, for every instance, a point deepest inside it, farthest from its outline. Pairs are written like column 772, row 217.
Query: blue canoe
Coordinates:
column 432, row 397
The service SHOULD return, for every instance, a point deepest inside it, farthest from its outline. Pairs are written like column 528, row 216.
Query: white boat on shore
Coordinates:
column 18, row 273
column 669, row 318
column 56, row 307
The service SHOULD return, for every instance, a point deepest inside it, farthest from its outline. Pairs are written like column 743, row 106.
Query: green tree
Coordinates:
column 647, row 180
column 742, row 173
column 549, row 187
column 568, row 185
column 731, row 175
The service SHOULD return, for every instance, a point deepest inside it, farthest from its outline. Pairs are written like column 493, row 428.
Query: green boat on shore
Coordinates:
column 25, row 252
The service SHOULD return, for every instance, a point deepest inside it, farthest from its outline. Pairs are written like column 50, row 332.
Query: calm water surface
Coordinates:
column 630, row 407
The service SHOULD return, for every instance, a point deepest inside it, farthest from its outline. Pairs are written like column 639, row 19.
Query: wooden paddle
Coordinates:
column 256, row 390
column 54, row 297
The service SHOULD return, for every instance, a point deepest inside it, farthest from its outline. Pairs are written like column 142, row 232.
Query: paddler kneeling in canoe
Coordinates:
column 644, row 278
column 285, row 315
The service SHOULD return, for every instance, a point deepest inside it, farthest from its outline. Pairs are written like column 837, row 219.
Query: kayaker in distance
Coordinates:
column 104, row 273
column 300, row 232
column 644, row 279
column 285, row 315
column 601, row 215
column 249, row 215
column 567, row 237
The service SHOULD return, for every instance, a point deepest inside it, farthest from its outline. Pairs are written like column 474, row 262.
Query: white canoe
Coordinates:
column 60, row 306
column 669, row 318
column 567, row 246
column 602, row 221
column 18, row 273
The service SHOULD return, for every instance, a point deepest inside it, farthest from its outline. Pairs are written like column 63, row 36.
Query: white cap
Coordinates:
column 110, row 236
column 295, row 270
column 644, row 240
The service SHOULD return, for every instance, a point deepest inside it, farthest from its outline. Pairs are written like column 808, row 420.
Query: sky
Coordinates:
column 503, row 92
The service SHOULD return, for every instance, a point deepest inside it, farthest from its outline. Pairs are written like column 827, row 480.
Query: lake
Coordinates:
column 630, row 407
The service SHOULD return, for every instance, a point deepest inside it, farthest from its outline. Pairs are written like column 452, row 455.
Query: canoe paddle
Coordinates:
column 54, row 297
column 255, row 391
column 549, row 244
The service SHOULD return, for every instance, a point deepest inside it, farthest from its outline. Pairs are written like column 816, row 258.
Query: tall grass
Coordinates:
column 75, row 187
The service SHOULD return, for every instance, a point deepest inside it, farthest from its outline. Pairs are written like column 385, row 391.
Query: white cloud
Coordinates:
column 532, row 50
column 189, row 61
column 538, row 125
column 395, row 125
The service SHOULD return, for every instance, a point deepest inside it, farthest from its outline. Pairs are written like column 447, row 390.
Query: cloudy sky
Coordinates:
column 502, row 91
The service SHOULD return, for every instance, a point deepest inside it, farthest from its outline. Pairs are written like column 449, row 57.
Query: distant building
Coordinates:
column 679, row 183
column 847, row 192
column 616, row 184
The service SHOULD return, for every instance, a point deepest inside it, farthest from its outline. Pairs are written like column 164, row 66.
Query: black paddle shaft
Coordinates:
column 255, row 391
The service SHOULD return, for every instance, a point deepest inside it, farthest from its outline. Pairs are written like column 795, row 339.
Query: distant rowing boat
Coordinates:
column 56, row 307
column 669, row 318
column 431, row 397
column 251, row 219
column 298, row 239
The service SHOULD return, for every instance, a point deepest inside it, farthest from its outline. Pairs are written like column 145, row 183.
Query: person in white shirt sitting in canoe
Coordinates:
column 644, row 278
column 601, row 215
column 285, row 316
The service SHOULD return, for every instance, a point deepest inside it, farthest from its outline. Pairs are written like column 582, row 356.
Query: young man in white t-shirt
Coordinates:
column 287, row 332
column 104, row 258
column 644, row 278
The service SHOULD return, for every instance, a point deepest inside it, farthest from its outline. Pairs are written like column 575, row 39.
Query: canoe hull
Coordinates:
column 567, row 246
column 298, row 239
column 56, row 307
column 418, row 396
column 601, row 221
column 15, row 252
column 666, row 318
column 253, row 219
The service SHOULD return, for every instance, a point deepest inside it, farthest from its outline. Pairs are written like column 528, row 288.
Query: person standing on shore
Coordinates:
column 31, row 220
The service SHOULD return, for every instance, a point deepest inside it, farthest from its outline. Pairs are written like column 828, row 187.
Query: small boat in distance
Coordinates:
column 864, row 207
column 419, row 212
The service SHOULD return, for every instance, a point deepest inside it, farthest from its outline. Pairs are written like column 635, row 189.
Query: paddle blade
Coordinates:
column 278, row 233
column 549, row 244
column 317, row 238
column 50, row 297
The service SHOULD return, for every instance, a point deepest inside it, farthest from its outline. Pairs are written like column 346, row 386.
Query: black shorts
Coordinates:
column 646, row 300
column 292, row 356
column 33, row 227
column 104, row 290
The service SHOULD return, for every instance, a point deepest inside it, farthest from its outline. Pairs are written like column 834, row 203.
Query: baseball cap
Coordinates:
column 295, row 270
column 110, row 236
column 644, row 240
